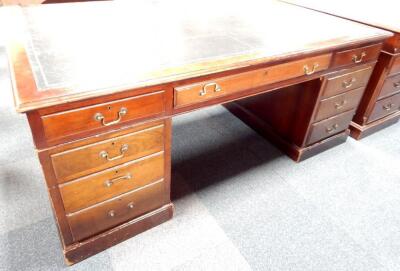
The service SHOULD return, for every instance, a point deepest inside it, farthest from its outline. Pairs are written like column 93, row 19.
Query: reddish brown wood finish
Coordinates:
column 77, row 162
column 346, row 82
column 104, row 185
column 82, row 250
column 326, row 128
column 292, row 150
column 54, row 190
column 357, row 56
column 358, row 132
column 97, row 218
column 379, row 87
column 284, row 92
column 72, row 122
column 390, row 86
column 339, row 104
column 189, row 94
column 395, row 66
column 385, row 107
column 291, row 130
column 369, row 117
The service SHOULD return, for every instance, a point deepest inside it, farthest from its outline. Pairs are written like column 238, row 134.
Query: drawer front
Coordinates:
column 391, row 86
column 339, row 104
column 75, row 163
column 347, row 82
column 326, row 128
column 395, row 66
column 106, row 215
column 72, row 122
column 203, row 91
column 385, row 107
column 358, row 55
column 107, row 184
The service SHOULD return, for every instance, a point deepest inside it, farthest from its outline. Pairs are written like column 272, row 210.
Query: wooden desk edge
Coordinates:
column 27, row 97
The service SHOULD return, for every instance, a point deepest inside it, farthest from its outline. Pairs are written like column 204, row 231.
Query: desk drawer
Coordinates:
column 347, row 82
column 358, row 55
column 203, row 91
column 395, row 66
column 75, row 163
column 385, row 107
column 339, row 104
column 107, row 184
column 391, row 86
column 113, row 212
column 109, row 114
column 326, row 128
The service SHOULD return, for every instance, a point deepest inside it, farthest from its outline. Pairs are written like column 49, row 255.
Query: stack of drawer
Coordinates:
column 340, row 97
column 112, row 177
column 389, row 98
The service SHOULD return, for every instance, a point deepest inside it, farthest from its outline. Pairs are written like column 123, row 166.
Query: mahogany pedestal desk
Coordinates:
column 100, row 93
column 380, row 105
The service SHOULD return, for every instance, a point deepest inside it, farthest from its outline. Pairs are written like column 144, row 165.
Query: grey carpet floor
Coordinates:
column 240, row 203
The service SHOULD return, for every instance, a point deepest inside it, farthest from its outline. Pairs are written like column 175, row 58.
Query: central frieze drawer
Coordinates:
column 75, row 163
column 339, row 104
column 62, row 124
column 206, row 90
column 98, row 187
column 115, row 211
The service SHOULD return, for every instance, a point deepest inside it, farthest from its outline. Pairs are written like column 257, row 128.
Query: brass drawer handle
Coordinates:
column 341, row 104
column 332, row 129
column 215, row 86
column 100, row 117
column 388, row 107
column 110, row 182
column 104, row 154
column 307, row 70
column 348, row 83
column 358, row 60
column 396, row 85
